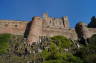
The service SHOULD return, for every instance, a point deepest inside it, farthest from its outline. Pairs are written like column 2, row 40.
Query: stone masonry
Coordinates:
column 45, row 26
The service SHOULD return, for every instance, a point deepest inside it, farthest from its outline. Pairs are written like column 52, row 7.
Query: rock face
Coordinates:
column 46, row 26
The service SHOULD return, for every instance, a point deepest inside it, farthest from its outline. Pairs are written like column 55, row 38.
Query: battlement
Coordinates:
column 50, row 22
column 47, row 26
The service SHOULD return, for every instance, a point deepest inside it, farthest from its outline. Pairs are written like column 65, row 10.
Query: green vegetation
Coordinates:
column 88, row 53
column 56, row 53
column 55, row 56
column 61, row 41
column 92, row 40
column 58, row 49
column 4, row 42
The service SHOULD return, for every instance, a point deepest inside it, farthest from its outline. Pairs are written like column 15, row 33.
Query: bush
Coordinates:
column 61, row 41
column 55, row 53
column 90, row 58
column 92, row 40
column 4, row 42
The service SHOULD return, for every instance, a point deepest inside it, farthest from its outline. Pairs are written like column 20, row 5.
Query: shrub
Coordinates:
column 61, row 41
column 4, row 42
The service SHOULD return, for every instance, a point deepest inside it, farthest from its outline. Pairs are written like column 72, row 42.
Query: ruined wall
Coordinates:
column 13, row 27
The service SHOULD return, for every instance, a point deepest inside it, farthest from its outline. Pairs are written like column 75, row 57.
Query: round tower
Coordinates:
column 35, row 30
column 82, row 31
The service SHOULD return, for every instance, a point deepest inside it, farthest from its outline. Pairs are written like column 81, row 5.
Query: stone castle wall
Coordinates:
column 55, row 22
column 35, row 30
column 57, row 26
column 69, row 33
column 45, row 26
column 49, row 26
column 92, row 31
column 13, row 27
column 83, row 31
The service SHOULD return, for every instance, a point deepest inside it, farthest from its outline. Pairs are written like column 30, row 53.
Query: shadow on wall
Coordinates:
column 26, row 33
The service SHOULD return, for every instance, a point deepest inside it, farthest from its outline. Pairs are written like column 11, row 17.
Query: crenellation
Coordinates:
column 45, row 26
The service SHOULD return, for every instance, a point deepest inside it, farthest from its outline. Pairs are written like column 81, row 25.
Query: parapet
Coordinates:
column 13, row 27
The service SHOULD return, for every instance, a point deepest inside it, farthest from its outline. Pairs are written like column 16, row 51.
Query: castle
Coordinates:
column 45, row 26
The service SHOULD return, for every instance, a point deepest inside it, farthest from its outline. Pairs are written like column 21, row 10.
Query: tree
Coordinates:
column 61, row 41
column 90, row 58
column 55, row 54
column 88, row 53
column 92, row 40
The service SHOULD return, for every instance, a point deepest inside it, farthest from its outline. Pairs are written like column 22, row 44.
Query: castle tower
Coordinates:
column 82, row 31
column 65, row 22
column 35, row 30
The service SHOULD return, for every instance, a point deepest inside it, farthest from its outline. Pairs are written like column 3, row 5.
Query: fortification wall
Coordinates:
column 92, row 31
column 57, row 26
column 69, row 33
column 35, row 30
column 55, row 22
column 45, row 26
column 13, row 27
column 48, row 26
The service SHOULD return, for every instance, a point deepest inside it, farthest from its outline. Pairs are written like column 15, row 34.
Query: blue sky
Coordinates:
column 76, row 10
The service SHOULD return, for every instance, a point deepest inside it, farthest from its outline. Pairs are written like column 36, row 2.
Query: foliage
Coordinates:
column 54, row 54
column 90, row 58
column 88, row 53
column 4, row 42
column 61, row 41
column 92, row 40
